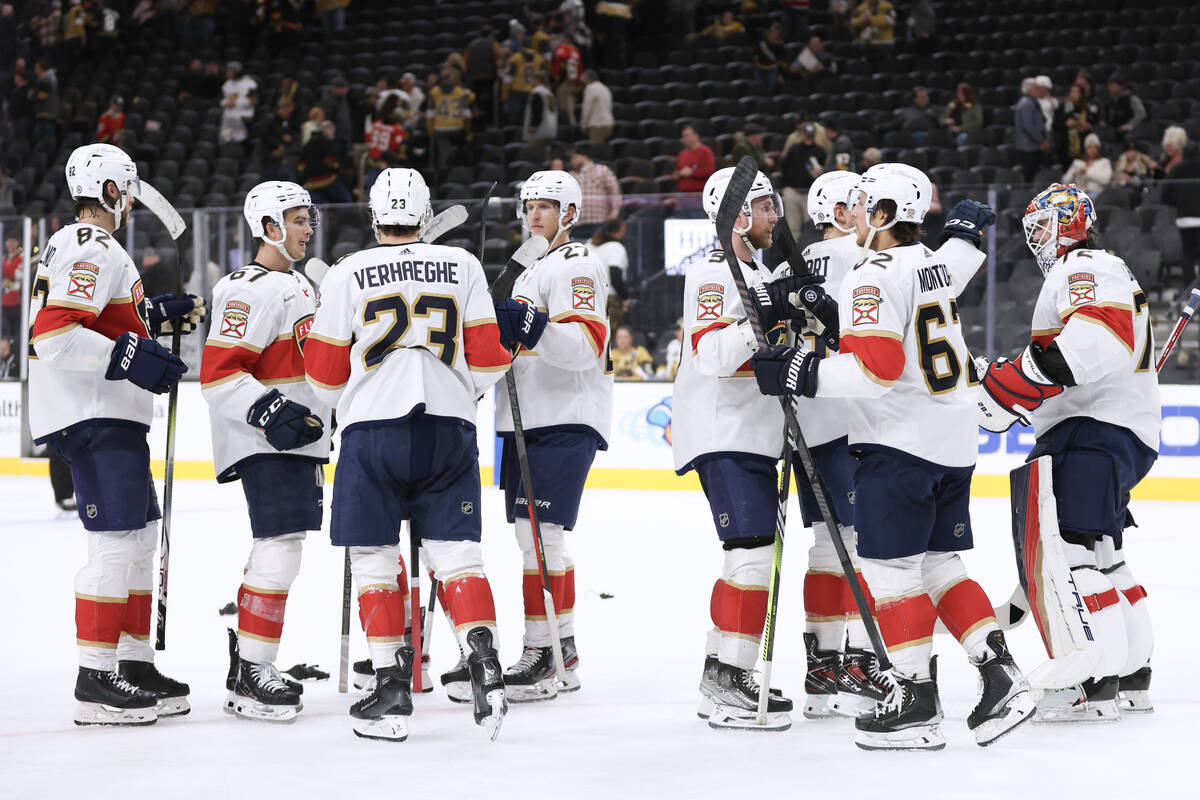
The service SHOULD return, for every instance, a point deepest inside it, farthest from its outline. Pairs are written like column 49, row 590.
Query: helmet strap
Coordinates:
column 279, row 245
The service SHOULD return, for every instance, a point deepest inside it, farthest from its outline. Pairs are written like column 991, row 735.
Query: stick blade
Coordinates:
column 732, row 201
column 531, row 250
column 316, row 270
column 158, row 205
column 449, row 219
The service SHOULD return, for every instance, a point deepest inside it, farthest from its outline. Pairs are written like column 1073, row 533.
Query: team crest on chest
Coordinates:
column 866, row 305
column 82, row 282
column 710, row 303
column 583, row 293
column 1082, row 288
column 235, row 319
column 300, row 331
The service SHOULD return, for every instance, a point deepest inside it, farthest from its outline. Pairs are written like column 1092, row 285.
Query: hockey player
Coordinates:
column 1087, row 381
column 269, row 431
column 404, row 343
column 732, row 436
column 93, row 365
column 905, row 368
column 565, row 386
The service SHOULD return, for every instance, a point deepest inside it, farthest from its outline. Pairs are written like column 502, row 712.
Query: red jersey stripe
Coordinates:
column 594, row 328
column 881, row 356
column 220, row 362
column 281, row 361
column 53, row 319
column 327, row 364
column 698, row 335
column 1119, row 321
column 481, row 345
column 117, row 319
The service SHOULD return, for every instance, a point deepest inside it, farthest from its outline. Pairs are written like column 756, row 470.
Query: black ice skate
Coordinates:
column 571, row 663
column 532, row 678
column 105, row 698
column 861, row 684
column 458, row 680
column 1133, row 692
column 908, row 719
column 820, row 683
column 364, row 677
column 707, row 686
column 487, row 681
column 172, row 694
column 231, row 676
column 381, row 714
column 735, row 702
column 1005, row 701
column 1092, row 701
column 260, row 692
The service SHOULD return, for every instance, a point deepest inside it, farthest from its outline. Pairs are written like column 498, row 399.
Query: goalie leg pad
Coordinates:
column 739, row 604
column 270, row 571
column 1111, row 561
column 380, row 607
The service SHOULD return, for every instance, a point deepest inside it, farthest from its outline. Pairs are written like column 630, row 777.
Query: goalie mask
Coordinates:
column 93, row 165
column 828, row 191
column 271, row 200
column 1055, row 221
column 718, row 182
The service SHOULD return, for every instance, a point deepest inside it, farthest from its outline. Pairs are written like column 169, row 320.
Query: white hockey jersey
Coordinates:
column 85, row 294
column 401, row 328
column 717, row 407
column 566, row 380
column 903, row 360
column 1094, row 308
column 256, row 343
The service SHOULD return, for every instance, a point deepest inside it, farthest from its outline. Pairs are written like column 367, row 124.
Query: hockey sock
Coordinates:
column 712, row 639
column 466, row 592
column 562, row 582
column 135, row 625
column 739, row 604
column 961, row 603
column 905, row 613
column 380, row 604
column 272, row 567
column 856, row 630
column 1137, row 614
column 823, row 612
column 101, row 592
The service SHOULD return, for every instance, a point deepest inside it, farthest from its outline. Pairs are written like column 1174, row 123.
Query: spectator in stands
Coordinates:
column 841, row 148
column 607, row 244
column 448, row 120
column 332, row 14
column 870, row 157
column 20, row 106
column 111, row 122
column 290, row 89
column 724, row 26
column 694, row 163
column 10, row 298
column 613, row 19
column 539, row 38
column 46, row 23
column 9, row 368
column 814, row 60
column 875, row 22
column 558, row 163
column 274, row 165
column 670, row 367
column 597, row 116
column 516, row 81
column 8, row 37
column 770, row 59
column 566, row 75
column 1181, row 189
column 385, row 142
column 749, row 142
column 416, row 97
column 1093, row 173
column 1047, row 102
column 199, row 22
column 1134, row 168
column 630, row 362
column 963, row 114
column 922, row 25
column 283, row 128
column 1074, row 120
column 920, row 117
column 157, row 275
column 1124, row 110
column 239, row 95
column 45, row 101
column 1174, row 145
column 803, row 161
column 321, row 166
column 1030, row 126
column 541, row 114
column 600, row 189
column 335, row 99
column 483, row 67
column 11, row 196
column 316, row 115
column 517, row 36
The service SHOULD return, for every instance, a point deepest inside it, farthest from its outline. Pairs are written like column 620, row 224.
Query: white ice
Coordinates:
column 632, row 730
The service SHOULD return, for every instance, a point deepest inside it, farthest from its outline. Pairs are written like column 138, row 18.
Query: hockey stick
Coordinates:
column 414, row 603
column 727, row 214
column 807, row 294
column 487, row 198
column 344, row 664
column 1184, row 318
column 158, row 205
column 533, row 249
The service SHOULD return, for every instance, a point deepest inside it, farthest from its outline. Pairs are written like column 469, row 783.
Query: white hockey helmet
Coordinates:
column 557, row 185
column 93, row 165
column 271, row 199
column 908, row 187
column 399, row 196
column 714, row 191
column 826, row 192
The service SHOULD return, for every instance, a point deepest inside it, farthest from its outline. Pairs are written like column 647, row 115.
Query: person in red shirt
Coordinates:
column 10, row 305
column 694, row 163
column 386, row 141
column 566, row 70
column 111, row 121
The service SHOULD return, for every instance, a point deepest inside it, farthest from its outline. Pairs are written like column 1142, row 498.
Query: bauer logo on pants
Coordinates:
column 866, row 305
column 583, row 293
column 235, row 319
column 710, row 303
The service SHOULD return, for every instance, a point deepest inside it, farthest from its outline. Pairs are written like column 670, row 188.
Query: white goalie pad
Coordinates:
column 1055, row 602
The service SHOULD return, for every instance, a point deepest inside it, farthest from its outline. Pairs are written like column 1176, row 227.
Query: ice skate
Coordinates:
column 364, row 677
column 861, row 684
column 260, row 693
column 381, row 714
column 531, row 679
column 571, row 663
column 820, row 683
column 1133, row 692
column 707, row 686
column 487, row 681
column 1092, row 701
column 105, row 698
column 172, row 694
column 735, row 702
column 458, row 680
column 1005, row 700
column 908, row 719
column 235, row 660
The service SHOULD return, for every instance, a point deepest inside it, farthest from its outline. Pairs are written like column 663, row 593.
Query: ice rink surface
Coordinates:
column 631, row 732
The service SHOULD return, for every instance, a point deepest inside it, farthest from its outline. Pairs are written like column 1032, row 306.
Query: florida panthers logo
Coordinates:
column 583, row 294
column 235, row 319
column 1082, row 288
column 300, row 332
column 866, row 306
column 710, row 303
column 82, row 282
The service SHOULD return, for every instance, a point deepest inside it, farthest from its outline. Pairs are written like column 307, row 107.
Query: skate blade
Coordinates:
column 391, row 728
column 1020, row 709
column 918, row 738
column 100, row 714
column 498, row 706
column 571, row 684
column 172, row 707
column 531, row 693
column 851, row 706
column 249, row 708
column 740, row 719
column 819, row 706
column 705, row 709
column 1085, row 712
column 459, row 692
column 1135, row 702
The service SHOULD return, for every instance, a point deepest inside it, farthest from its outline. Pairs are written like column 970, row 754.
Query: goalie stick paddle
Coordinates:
column 1184, row 318
column 727, row 214
column 158, row 205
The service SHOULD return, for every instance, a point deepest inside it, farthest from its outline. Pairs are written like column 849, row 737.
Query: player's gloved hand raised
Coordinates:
column 286, row 423
column 967, row 220
column 786, row 370
column 772, row 299
column 1013, row 389
column 166, row 311
column 520, row 323
column 145, row 363
column 820, row 312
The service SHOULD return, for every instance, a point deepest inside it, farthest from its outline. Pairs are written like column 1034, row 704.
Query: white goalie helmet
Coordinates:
column 270, row 200
column 399, row 196
column 908, row 187
column 826, row 192
column 93, row 165
column 557, row 185
column 714, row 191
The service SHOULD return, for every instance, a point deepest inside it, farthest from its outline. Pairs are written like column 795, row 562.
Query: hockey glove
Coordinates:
column 145, row 363
column 771, row 299
column 967, row 220
column 520, row 323
column 286, row 423
column 786, row 370
column 168, row 310
column 1014, row 389
column 820, row 313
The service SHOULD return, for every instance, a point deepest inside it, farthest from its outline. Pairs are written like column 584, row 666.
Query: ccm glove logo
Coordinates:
column 961, row 223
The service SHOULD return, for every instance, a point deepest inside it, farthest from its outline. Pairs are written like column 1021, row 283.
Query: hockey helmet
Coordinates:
column 908, row 187
column 271, row 199
column 1058, row 218
column 718, row 182
column 557, row 185
column 399, row 196
column 826, row 192
column 93, row 165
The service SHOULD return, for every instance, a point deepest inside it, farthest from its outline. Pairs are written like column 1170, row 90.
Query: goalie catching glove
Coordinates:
column 1014, row 389
column 166, row 311
column 786, row 370
column 286, row 423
